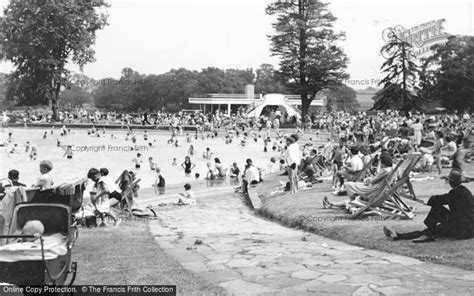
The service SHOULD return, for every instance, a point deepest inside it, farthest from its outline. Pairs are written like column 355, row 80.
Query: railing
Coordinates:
column 230, row 96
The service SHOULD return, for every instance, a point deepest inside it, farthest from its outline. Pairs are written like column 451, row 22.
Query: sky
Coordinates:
column 152, row 37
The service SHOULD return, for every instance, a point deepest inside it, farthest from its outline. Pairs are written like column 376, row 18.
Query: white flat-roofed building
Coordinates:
column 254, row 103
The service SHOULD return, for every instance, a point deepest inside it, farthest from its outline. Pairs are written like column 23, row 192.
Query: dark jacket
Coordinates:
column 461, row 211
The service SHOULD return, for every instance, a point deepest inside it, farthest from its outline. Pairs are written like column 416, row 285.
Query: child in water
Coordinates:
column 33, row 153
column 152, row 163
column 68, row 152
column 159, row 185
column 138, row 161
column 191, row 150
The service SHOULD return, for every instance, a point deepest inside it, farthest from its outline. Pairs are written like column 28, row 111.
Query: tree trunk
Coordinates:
column 302, row 64
column 404, row 79
column 305, row 103
column 54, row 107
column 55, row 102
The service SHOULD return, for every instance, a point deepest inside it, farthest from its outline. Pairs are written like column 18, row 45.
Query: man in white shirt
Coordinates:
column 293, row 158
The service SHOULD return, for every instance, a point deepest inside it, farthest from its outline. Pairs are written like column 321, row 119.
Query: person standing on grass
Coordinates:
column 417, row 131
column 437, row 150
column 457, row 222
column 293, row 159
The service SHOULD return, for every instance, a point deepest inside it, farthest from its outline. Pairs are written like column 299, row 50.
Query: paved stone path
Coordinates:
column 248, row 255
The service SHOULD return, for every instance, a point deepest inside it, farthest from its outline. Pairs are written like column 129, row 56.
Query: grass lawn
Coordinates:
column 127, row 255
column 304, row 210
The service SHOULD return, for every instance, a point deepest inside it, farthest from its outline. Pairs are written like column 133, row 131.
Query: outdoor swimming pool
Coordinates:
column 116, row 154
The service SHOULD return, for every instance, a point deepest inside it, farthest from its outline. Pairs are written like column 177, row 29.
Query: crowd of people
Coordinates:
column 351, row 143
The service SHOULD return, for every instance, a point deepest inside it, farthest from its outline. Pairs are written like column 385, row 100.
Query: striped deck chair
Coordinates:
column 388, row 201
column 74, row 191
column 379, row 197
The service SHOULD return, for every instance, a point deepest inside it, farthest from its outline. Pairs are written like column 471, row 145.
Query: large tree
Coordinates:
column 305, row 42
column 74, row 97
column 448, row 75
column 399, row 87
column 40, row 38
column 267, row 81
column 342, row 98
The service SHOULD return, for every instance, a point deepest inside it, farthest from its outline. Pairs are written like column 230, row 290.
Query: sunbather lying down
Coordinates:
column 32, row 227
column 302, row 185
column 350, row 206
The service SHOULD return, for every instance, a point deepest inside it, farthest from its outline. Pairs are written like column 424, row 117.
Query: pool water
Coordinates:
column 116, row 154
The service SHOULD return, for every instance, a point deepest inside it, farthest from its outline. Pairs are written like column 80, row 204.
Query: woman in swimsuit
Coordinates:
column 187, row 165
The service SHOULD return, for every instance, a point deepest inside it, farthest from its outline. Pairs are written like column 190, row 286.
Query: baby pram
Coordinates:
column 46, row 263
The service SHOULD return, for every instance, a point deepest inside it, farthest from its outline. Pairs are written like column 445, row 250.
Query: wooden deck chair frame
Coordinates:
column 379, row 196
column 127, row 194
column 405, row 179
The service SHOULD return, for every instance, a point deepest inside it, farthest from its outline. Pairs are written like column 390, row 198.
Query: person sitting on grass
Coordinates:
column 364, row 190
column 100, row 198
column 308, row 169
column 187, row 198
column 427, row 161
column 457, row 222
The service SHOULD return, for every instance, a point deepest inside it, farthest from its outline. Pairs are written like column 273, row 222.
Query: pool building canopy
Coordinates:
column 255, row 103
